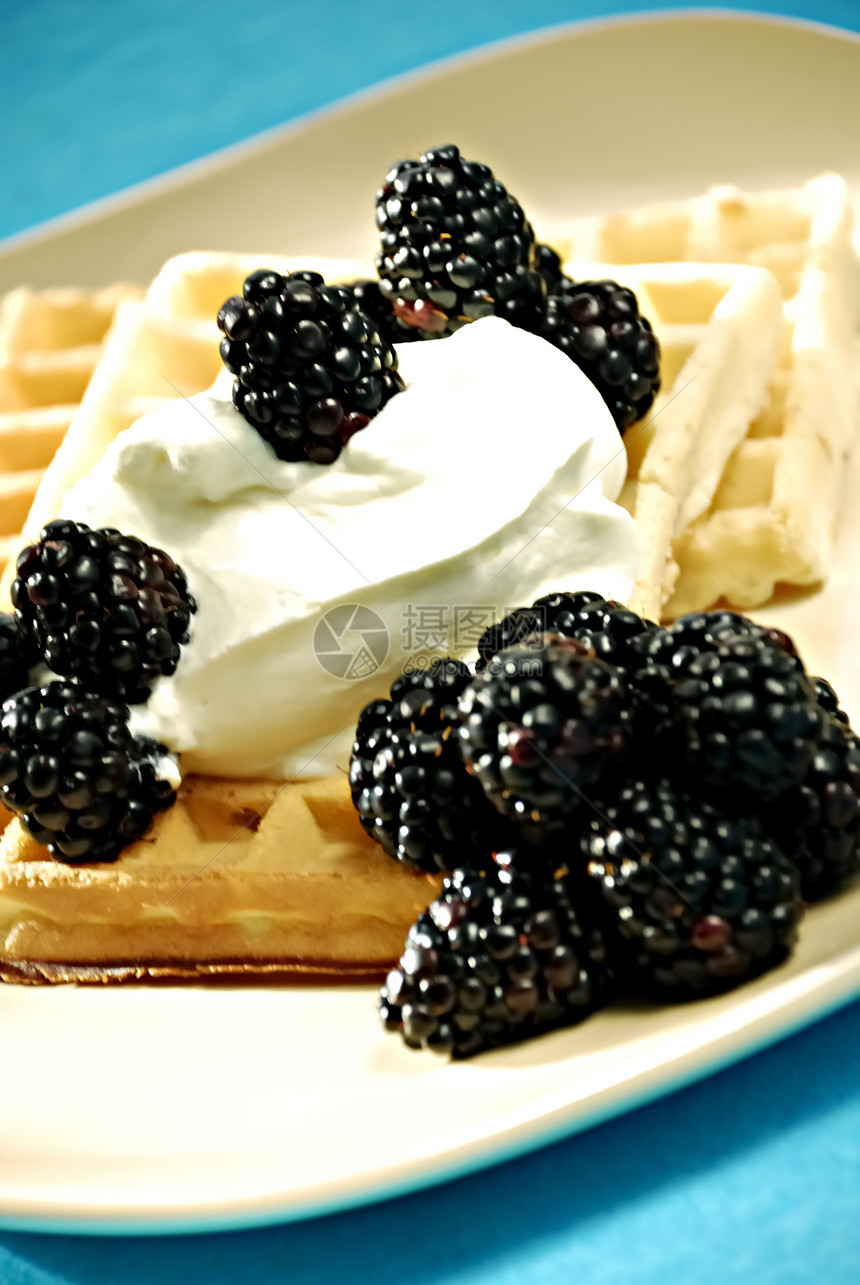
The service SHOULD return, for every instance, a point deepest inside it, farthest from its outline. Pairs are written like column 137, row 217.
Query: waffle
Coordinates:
column 772, row 518
column 50, row 342
column 239, row 877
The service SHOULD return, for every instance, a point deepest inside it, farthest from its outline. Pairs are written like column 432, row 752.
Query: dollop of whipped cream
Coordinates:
column 488, row 482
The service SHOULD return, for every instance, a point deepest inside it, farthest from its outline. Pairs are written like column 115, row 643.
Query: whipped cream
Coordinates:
column 489, row 481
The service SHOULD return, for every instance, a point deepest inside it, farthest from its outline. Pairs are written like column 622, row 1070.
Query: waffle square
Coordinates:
column 773, row 516
column 238, row 877
column 50, row 343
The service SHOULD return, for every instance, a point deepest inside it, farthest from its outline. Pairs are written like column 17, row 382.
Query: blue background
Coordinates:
column 751, row 1176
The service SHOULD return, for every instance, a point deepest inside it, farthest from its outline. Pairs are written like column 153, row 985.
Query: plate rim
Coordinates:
column 253, row 1212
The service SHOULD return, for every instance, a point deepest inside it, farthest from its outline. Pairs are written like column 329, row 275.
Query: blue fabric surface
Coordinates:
column 751, row 1176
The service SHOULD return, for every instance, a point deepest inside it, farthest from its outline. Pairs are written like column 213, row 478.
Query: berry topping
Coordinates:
column 604, row 628
column 310, row 366
column 373, row 303
column 82, row 784
column 749, row 717
column 703, row 631
column 541, row 724
column 818, row 823
column 548, row 264
column 18, row 654
column 413, row 793
column 664, row 799
column 694, row 898
column 497, row 957
column 455, row 246
column 102, row 607
column 598, row 325
column 828, row 700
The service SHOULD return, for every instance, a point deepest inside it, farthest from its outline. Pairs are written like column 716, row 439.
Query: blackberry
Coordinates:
column 454, row 246
column 603, row 627
column 82, row 784
column 702, row 631
column 18, row 655
column 818, row 823
column 548, row 264
column 409, row 784
column 102, row 607
column 597, row 324
column 610, row 632
column 541, row 725
column 694, row 898
column 310, row 367
column 522, row 622
column 373, row 304
column 657, row 658
column 828, row 700
column 497, row 957
column 748, row 718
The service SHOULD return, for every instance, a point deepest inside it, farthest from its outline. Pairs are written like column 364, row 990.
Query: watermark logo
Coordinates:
column 351, row 641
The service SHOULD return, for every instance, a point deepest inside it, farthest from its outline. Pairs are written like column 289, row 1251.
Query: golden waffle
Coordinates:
column 50, row 342
column 237, row 877
column 772, row 518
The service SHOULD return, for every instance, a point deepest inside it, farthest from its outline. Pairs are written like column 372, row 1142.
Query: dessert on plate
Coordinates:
column 615, row 805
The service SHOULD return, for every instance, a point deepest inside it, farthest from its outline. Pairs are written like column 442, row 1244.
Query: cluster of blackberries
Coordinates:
column 619, row 807
column 107, row 614
column 313, row 363
column 456, row 246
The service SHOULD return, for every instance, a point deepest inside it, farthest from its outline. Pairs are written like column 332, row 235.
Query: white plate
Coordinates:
column 184, row 1108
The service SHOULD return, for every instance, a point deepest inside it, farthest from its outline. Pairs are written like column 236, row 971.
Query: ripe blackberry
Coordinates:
column 748, row 718
column 455, row 246
column 818, row 823
column 497, row 957
column 597, row 324
column 311, row 368
column 69, row 766
column 18, row 654
column 703, row 631
column 373, row 304
column 603, row 627
column 102, row 607
column 522, row 622
column 828, row 700
column 409, row 784
column 695, row 899
column 548, row 264
column 540, row 726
